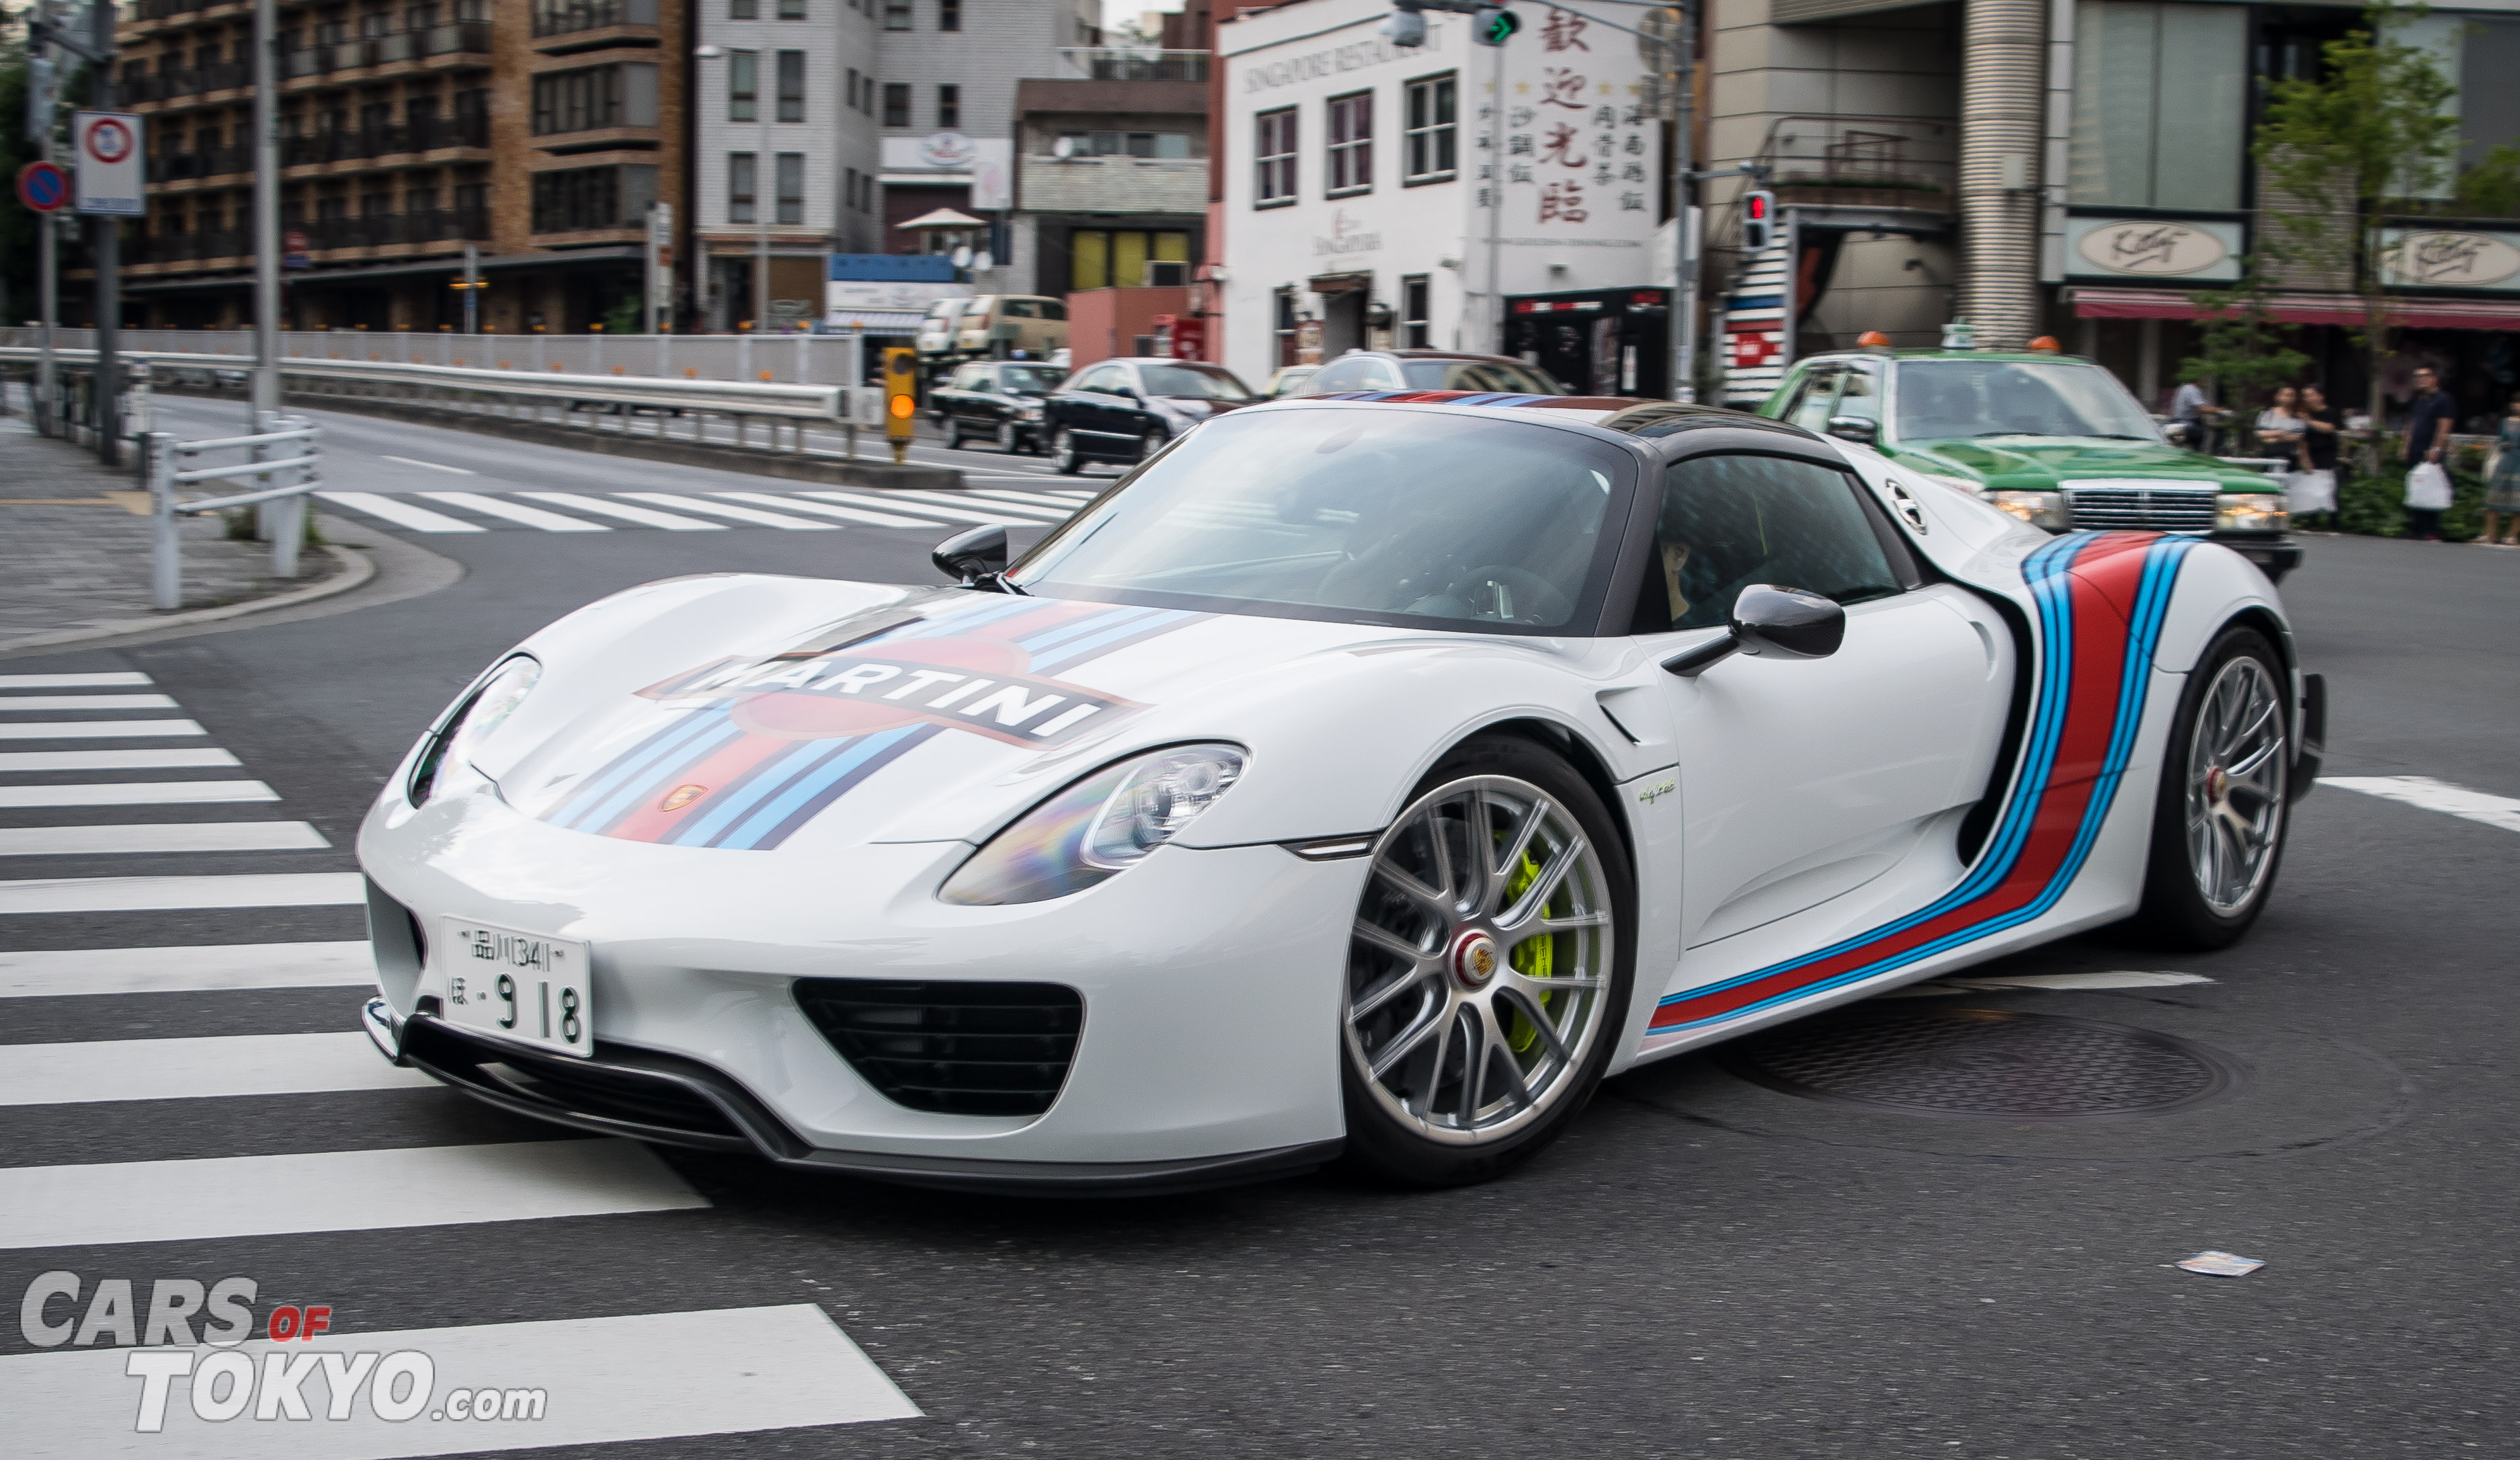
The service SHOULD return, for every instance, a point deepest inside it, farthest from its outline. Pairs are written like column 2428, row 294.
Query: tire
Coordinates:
column 2217, row 829
column 1008, row 438
column 1433, row 967
column 1150, row 443
column 953, row 434
column 1063, row 454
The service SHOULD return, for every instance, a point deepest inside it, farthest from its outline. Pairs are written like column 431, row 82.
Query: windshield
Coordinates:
column 1195, row 381
column 1355, row 516
column 1477, row 375
column 944, row 309
column 1942, row 399
column 1019, row 380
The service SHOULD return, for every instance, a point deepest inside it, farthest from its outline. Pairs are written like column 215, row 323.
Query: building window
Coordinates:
column 1351, row 143
column 1282, row 324
column 949, row 107
column 1104, row 258
column 739, row 186
column 949, row 15
column 1430, row 130
column 578, row 198
column 853, row 91
column 1415, row 295
column 2161, row 95
column 1274, row 152
column 896, row 15
column 742, row 86
column 896, row 104
column 792, row 10
column 743, row 10
column 792, row 187
column 792, row 86
column 604, row 96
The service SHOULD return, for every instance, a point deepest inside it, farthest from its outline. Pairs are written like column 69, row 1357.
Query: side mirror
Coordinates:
column 971, row 556
column 1856, row 429
column 1770, row 620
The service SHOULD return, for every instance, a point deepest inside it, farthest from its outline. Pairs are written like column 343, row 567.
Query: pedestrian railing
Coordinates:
column 280, row 508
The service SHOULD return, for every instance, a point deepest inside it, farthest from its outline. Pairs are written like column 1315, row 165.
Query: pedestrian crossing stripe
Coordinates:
column 51, row 973
column 91, row 895
column 94, row 729
column 71, row 681
column 135, row 793
column 18, row 703
column 166, row 836
column 204, row 757
column 444, row 512
column 202, row 1067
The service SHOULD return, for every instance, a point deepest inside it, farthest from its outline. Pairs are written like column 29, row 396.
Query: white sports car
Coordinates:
column 1359, row 778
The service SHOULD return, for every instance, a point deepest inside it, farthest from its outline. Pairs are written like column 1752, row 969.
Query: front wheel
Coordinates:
column 1006, row 438
column 1063, row 454
column 953, row 434
column 1488, row 967
column 2220, row 817
column 1150, row 443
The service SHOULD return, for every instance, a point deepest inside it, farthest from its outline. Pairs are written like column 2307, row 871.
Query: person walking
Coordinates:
column 2429, row 419
column 2192, row 408
column 2313, row 492
column 2503, row 483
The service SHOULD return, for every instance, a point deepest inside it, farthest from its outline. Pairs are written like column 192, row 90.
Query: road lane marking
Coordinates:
column 433, row 466
column 97, row 729
column 749, row 514
column 628, row 1377
column 949, row 514
column 1059, row 512
column 2435, row 795
column 165, row 837
column 1025, row 499
column 333, row 1191
column 83, row 894
column 206, row 758
column 212, row 1068
column 70, row 681
column 400, row 513
column 88, row 702
column 627, row 512
column 55, row 972
column 844, row 513
column 135, row 793
column 516, row 511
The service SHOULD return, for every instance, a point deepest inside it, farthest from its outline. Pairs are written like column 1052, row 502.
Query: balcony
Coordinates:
column 166, row 87
column 192, row 167
column 1133, row 64
column 165, row 10
column 186, row 248
column 1115, row 185
column 351, row 146
column 568, row 17
column 1867, row 162
column 384, row 229
column 461, row 37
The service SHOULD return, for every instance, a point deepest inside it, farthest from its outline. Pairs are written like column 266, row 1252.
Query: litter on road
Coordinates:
column 2220, row 1264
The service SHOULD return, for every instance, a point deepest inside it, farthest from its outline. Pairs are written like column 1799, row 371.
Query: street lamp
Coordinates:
column 763, row 159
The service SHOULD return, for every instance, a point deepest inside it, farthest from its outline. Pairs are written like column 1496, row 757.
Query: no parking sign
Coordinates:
column 111, row 175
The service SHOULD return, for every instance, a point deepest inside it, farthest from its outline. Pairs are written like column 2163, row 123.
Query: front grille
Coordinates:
column 2152, row 509
column 959, row 1049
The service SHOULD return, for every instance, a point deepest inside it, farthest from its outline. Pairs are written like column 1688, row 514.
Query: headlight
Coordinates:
column 2250, row 511
column 1098, row 828
column 1029, row 413
column 2038, row 509
column 483, row 712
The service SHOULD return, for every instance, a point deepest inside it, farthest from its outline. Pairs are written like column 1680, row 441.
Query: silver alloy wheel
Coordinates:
column 1006, row 438
column 1062, row 450
column 953, row 434
column 2235, row 785
column 1479, row 962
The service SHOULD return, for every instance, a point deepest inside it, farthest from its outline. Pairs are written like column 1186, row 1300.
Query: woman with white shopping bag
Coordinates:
column 2312, row 490
column 2280, row 432
column 2427, row 445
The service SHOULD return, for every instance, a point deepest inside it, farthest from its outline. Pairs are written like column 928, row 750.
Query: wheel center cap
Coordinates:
column 1474, row 959
column 2218, row 785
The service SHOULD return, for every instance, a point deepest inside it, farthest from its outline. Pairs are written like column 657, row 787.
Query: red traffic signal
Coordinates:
column 1758, row 220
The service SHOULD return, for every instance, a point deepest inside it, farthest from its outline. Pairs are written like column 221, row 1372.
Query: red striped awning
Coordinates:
column 2302, row 309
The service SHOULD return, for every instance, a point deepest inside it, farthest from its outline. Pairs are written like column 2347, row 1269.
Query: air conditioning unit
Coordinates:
column 1166, row 273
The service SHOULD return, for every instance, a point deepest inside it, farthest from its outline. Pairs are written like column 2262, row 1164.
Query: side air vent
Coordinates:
column 957, row 1049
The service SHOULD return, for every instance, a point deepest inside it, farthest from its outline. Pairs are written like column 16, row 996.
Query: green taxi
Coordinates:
column 2051, row 438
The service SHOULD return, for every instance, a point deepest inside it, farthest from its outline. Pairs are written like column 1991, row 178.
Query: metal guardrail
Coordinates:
column 282, row 508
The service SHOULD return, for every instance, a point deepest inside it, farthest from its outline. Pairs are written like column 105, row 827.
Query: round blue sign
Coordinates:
column 43, row 187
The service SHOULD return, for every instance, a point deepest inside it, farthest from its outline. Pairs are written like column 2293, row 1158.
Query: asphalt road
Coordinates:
column 1705, row 1267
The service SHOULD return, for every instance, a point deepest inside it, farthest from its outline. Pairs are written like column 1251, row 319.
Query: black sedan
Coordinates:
column 1124, row 410
column 998, row 400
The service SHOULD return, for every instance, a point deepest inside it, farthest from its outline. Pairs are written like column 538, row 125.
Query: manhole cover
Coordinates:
column 1985, row 1065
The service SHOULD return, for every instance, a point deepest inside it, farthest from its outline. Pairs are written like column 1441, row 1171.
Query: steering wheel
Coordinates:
column 1530, row 598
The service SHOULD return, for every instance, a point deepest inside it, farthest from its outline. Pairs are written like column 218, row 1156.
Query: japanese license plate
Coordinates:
column 517, row 986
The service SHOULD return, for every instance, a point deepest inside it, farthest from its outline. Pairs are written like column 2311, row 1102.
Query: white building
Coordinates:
column 786, row 135
column 1382, row 197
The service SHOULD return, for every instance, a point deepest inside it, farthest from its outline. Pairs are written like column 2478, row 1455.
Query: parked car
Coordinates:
column 1125, row 410
column 998, row 400
column 935, row 339
column 1289, row 380
column 2054, row 439
column 1428, row 370
column 1000, row 324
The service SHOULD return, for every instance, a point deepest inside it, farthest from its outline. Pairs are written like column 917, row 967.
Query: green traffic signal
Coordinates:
column 1496, row 27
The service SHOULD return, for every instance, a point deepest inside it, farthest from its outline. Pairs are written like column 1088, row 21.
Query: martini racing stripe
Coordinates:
column 2088, row 712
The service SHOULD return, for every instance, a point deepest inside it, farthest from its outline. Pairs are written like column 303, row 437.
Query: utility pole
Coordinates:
column 42, row 98
column 105, row 244
column 265, row 398
column 471, row 290
column 1684, row 214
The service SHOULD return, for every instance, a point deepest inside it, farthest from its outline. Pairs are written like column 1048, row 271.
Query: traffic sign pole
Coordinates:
column 106, row 247
column 265, row 401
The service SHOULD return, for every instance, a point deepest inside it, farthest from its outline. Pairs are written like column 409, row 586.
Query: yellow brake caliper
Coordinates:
column 1532, row 958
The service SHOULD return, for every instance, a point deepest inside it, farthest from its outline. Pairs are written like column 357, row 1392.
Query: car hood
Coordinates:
column 760, row 713
column 2028, row 463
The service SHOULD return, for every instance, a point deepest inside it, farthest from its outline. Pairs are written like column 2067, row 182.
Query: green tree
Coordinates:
column 18, row 224
column 2240, row 348
column 2338, row 153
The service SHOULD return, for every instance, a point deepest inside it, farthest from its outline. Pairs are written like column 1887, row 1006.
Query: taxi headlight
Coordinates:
column 1098, row 828
column 2250, row 511
column 450, row 746
column 2038, row 509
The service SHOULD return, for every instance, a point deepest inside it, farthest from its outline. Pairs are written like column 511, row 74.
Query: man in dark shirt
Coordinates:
column 2429, row 419
column 2314, row 489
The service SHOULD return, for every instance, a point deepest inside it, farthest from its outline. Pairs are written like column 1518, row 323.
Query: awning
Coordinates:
column 2433, row 314
column 875, row 320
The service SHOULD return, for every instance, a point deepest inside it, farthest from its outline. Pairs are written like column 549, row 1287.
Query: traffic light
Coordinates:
column 1758, row 220
column 900, row 398
column 1493, row 26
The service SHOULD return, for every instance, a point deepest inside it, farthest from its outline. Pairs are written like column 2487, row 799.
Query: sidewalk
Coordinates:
column 74, row 541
